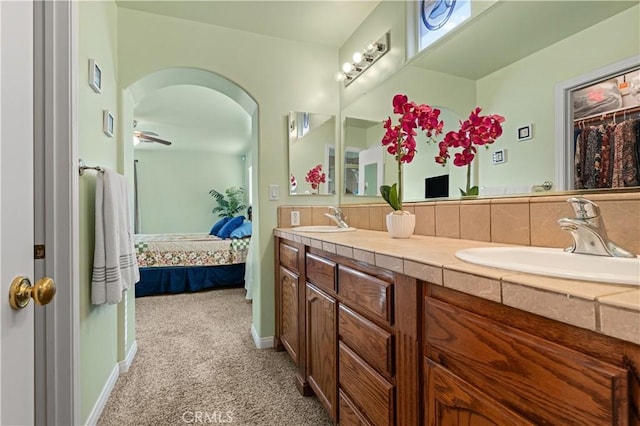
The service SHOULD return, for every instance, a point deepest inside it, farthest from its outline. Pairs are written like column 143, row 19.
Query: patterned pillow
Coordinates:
column 242, row 231
column 218, row 225
column 229, row 227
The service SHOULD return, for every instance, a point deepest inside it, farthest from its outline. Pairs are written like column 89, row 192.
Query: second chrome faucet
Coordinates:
column 588, row 231
column 337, row 217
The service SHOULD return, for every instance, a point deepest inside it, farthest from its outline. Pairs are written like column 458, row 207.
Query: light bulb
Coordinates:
column 372, row 47
column 347, row 67
column 340, row 76
column 357, row 57
column 136, row 140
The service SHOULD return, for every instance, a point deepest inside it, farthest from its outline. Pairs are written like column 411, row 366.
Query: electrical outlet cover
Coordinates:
column 295, row 218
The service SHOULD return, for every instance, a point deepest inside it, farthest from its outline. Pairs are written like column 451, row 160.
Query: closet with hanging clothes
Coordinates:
column 607, row 133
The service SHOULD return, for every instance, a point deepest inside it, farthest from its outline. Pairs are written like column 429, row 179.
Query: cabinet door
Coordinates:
column 289, row 315
column 321, row 347
column 451, row 401
column 543, row 381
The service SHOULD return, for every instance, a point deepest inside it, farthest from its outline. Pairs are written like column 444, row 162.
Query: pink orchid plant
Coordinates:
column 315, row 176
column 400, row 139
column 477, row 130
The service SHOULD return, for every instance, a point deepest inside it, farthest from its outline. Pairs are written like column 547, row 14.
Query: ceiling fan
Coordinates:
column 147, row 136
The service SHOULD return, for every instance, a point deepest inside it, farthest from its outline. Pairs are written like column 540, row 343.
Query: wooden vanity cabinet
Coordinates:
column 321, row 326
column 489, row 364
column 381, row 348
column 347, row 328
column 290, row 307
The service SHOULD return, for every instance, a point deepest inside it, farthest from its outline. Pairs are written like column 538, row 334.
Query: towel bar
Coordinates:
column 546, row 186
column 82, row 168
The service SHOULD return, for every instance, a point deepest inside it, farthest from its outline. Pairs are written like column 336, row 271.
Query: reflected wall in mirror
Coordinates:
column 364, row 152
column 311, row 144
column 363, row 157
column 518, row 83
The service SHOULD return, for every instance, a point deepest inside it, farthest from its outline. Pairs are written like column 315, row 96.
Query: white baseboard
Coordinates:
column 261, row 342
column 98, row 407
column 126, row 363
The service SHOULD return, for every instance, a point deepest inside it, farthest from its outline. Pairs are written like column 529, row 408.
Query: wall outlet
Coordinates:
column 295, row 218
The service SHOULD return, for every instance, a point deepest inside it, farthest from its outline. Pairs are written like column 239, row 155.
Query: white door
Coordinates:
column 16, row 210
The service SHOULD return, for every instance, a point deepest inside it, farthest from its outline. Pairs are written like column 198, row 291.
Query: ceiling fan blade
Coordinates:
column 146, row 138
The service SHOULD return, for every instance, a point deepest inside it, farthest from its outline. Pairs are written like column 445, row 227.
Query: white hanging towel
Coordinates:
column 114, row 260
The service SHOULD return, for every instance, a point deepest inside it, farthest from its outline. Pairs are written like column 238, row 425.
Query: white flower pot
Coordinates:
column 401, row 224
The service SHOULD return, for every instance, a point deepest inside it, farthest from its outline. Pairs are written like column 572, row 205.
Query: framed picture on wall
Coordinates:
column 108, row 123
column 95, row 76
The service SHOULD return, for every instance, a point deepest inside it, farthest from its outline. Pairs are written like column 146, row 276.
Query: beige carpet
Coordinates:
column 197, row 364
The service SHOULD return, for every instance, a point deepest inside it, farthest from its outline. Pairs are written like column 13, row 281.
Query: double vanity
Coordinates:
column 405, row 332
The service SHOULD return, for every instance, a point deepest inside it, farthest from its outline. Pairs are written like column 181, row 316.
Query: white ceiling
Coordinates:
column 328, row 22
column 194, row 118
column 189, row 116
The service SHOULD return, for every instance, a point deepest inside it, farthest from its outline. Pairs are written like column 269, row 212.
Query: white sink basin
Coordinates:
column 322, row 228
column 556, row 263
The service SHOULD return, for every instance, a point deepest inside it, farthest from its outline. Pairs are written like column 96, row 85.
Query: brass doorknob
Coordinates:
column 21, row 291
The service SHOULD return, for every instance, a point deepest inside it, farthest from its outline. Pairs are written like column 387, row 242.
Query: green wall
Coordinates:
column 524, row 92
column 280, row 75
column 98, row 324
column 174, row 187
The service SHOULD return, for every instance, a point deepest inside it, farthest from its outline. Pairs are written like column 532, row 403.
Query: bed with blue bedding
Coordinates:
column 188, row 262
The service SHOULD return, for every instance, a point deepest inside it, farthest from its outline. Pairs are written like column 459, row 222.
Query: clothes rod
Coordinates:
column 618, row 113
column 82, row 167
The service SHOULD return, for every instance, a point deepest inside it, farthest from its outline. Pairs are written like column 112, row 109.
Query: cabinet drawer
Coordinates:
column 348, row 412
column 369, row 391
column 368, row 340
column 367, row 294
column 321, row 272
column 289, row 257
column 544, row 382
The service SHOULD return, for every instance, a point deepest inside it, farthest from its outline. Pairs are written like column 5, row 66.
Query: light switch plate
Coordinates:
column 274, row 192
column 500, row 156
column 295, row 218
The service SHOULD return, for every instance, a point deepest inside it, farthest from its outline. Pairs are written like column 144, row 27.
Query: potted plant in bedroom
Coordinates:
column 230, row 203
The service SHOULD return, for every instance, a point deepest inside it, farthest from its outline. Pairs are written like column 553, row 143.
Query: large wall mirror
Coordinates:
column 367, row 165
column 312, row 153
column 549, row 43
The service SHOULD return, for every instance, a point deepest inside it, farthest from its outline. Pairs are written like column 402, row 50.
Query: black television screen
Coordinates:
column 437, row 186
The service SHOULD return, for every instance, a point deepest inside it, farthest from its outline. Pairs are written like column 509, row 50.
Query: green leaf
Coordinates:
column 472, row 191
column 230, row 204
column 390, row 195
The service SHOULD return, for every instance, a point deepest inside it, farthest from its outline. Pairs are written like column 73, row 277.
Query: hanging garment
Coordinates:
column 625, row 162
column 605, row 155
column 629, row 154
column 591, row 173
column 579, row 159
column 616, row 172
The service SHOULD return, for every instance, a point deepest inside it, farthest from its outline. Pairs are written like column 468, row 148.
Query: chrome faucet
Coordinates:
column 588, row 231
column 337, row 217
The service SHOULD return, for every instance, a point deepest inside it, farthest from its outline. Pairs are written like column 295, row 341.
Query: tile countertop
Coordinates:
column 609, row 309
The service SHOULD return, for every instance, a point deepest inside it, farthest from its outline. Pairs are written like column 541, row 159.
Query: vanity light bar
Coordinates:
column 363, row 60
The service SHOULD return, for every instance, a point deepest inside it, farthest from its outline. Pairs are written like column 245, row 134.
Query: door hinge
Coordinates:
column 38, row 251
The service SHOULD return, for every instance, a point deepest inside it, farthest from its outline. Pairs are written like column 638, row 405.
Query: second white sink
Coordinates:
column 556, row 263
column 322, row 228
